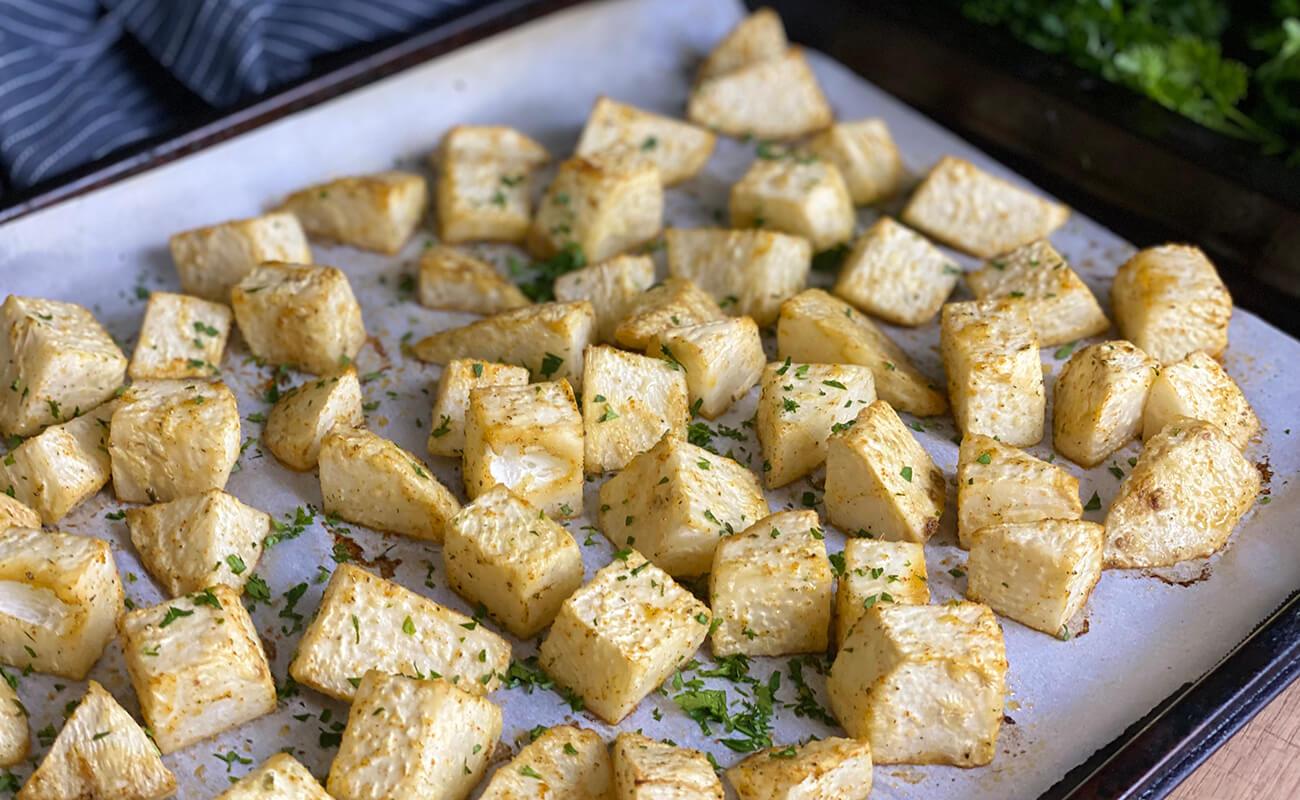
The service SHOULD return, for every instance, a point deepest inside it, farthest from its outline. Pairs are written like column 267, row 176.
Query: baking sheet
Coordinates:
column 1144, row 636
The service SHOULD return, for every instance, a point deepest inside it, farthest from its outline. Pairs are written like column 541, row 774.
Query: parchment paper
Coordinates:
column 1144, row 636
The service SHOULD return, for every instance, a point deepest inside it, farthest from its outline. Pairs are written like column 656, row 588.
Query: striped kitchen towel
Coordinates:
column 82, row 78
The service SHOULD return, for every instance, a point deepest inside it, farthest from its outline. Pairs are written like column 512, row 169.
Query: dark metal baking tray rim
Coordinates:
column 1150, row 758
column 1145, row 762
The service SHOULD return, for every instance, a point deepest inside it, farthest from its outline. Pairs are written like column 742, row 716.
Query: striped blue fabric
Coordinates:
column 80, row 78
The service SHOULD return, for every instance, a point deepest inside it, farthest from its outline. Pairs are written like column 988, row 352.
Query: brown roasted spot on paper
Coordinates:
column 386, row 566
column 1177, row 579
column 1265, row 474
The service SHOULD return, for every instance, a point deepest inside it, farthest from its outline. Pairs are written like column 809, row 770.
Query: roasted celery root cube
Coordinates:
column 496, row 142
column 14, row 514
column 758, row 37
column 211, row 260
column 678, row 149
column 411, row 739
column 620, row 636
column 721, row 360
column 612, row 287
column 629, row 402
column 366, row 479
column 1198, row 387
column 502, row 553
column 776, row 98
column 55, row 358
column 181, row 337
column 750, row 272
column 373, row 212
column 63, row 596
column 997, row 483
column 865, row 154
column 547, row 338
column 675, row 501
column 799, row 405
column 366, row 622
column 564, row 762
column 280, row 777
column 801, row 196
column 770, row 588
column 672, row 304
column 1038, row 573
column 816, row 328
column 452, row 280
column 1170, row 302
column 995, row 373
column 961, row 205
column 528, row 439
column 485, row 177
column 15, row 741
column 878, row 572
column 603, row 203
column 302, row 418
column 880, row 480
column 1100, row 394
column 197, row 666
column 923, row 684
column 301, row 315
column 1061, row 306
column 1190, row 487
column 828, row 769
column 202, row 540
column 59, row 468
column 896, row 274
column 152, row 438
column 647, row 769
column 84, row 762
column 459, row 378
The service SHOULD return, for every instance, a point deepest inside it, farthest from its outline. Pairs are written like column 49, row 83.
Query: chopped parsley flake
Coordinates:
column 206, row 598
column 672, row 359
column 293, row 526
column 444, row 427
column 173, row 614
column 551, row 364
column 257, row 589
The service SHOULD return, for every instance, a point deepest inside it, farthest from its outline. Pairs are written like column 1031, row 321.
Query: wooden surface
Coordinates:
column 1262, row 762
